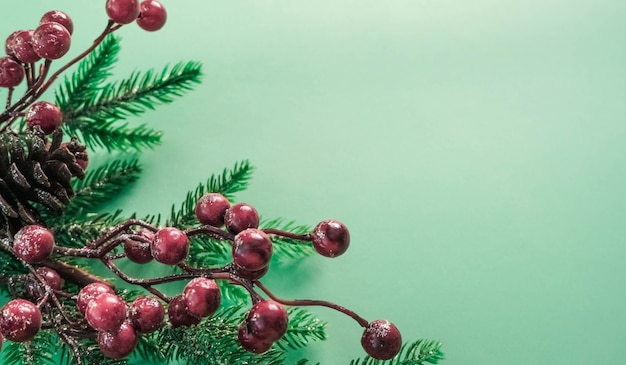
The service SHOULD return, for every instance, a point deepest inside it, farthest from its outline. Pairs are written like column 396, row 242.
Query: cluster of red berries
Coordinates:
column 150, row 15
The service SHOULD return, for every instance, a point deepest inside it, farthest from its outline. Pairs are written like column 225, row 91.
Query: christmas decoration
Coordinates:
column 218, row 248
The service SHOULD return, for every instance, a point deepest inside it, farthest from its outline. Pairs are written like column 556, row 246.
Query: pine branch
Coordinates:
column 95, row 119
column 303, row 328
column 286, row 248
column 74, row 233
column 100, row 184
column 417, row 353
column 87, row 80
column 38, row 351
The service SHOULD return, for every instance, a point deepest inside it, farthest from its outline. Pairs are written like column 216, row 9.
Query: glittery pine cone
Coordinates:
column 36, row 172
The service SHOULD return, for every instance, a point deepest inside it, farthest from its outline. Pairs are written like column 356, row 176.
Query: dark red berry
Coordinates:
column 251, row 343
column 20, row 320
column 268, row 321
column 11, row 72
column 138, row 250
column 252, row 250
column 122, row 11
column 51, row 41
column 46, row 115
column 1, row 340
column 33, row 243
column 201, row 297
column 381, row 340
column 210, row 209
column 89, row 293
column 152, row 15
column 170, row 246
column 52, row 278
column 119, row 343
column 146, row 314
column 57, row 16
column 106, row 312
column 23, row 47
column 241, row 216
column 10, row 43
column 178, row 315
column 331, row 238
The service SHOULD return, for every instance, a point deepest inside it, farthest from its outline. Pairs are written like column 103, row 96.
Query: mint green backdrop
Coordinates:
column 474, row 148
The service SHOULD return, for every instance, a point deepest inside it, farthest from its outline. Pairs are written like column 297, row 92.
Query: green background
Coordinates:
column 475, row 149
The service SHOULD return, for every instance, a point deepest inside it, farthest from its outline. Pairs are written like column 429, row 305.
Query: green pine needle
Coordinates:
column 86, row 81
column 304, row 327
column 94, row 119
column 287, row 248
column 417, row 353
column 39, row 351
column 102, row 183
column 72, row 232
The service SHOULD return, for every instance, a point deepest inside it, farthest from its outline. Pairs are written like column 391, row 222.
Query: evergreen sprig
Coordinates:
column 38, row 351
column 416, row 353
column 286, row 249
column 303, row 328
column 86, row 81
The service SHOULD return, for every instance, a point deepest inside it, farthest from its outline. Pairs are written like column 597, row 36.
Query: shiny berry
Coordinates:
column 106, row 312
column 20, row 320
column 170, row 246
column 330, row 238
column 138, row 250
column 252, row 250
column 51, row 41
column 23, row 47
column 381, row 340
column 122, row 11
column 89, row 293
column 10, row 43
column 33, row 243
column 201, row 297
column 46, row 115
column 57, row 16
column 268, row 320
column 210, row 209
column 241, row 216
column 11, row 72
column 51, row 277
column 119, row 343
column 146, row 314
column 251, row 343
column 152, row 15
column 178, row 315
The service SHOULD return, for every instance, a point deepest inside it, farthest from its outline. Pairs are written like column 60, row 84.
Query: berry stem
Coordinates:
column 305, row 302
column 210, row 231
column 278, row 232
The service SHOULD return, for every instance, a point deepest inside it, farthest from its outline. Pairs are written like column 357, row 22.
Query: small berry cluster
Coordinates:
column 150, row 15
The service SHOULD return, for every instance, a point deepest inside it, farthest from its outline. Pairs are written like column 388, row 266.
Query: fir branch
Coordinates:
column 303, row 328
column 71, row 232
column 233, row 293
column 100, row 184
column 132, row 96
column 417, row 353
column 87, row 80
column 38, row 351
column 148, row 349
column 287, row 248
column 207, row 252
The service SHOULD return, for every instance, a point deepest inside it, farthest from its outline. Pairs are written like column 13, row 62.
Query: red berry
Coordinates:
column 201, row 297
column 106, row 312
column 178, row 315
column 331, row 238
column 10, row 43
column 33, row 243
column 20, row 320
column 52, row 278
column 122, row 11
column 146, row 314
column 170, row 246
column 57, row 16
column 89, row 293
column 252, row 250
column 241, row 216
column 152, row 15
column 51, row 41
column 46, row 115
column 251, row 343
column 268, row 321
column 119, row 343
column 11, row 72
column 23, row 47
column 210, row 209
column 381, row 340
column 138, row 250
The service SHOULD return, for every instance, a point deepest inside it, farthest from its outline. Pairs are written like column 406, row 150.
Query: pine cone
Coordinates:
column 35, row 172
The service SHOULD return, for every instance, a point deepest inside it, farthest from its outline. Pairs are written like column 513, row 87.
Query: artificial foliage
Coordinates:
column 55, row 242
